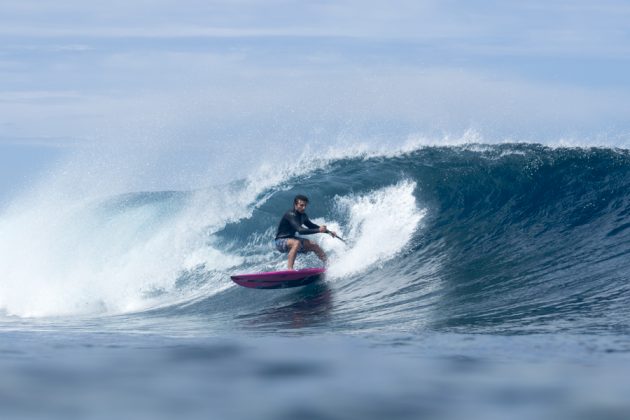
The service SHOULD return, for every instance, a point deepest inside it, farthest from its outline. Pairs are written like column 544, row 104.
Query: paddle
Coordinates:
column 335, row 236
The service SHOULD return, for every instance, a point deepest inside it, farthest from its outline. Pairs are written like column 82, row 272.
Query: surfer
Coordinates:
column 292, row 222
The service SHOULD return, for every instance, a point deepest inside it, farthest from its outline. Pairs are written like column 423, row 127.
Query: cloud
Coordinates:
column 47, row 48
column 46, row 142
column 34, row 96
column 72, row 68
column 578, row 28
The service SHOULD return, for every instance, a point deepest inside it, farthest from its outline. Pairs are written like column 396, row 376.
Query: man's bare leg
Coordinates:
column 294, row 246
column 310, row 246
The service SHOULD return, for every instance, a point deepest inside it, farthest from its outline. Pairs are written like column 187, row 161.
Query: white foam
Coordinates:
column 61, row 254
column 67, row 258
column 381, row 224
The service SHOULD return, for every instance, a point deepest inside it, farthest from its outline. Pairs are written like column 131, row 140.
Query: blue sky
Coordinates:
column 183, row 85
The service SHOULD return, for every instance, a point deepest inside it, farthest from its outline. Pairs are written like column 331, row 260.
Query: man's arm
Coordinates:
column 320, row 229
column 299, row 229
column 310, row 224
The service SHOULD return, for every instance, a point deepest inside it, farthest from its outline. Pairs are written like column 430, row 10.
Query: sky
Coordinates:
column 174, row 87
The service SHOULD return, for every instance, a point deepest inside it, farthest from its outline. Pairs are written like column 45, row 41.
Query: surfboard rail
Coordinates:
column 279, row 279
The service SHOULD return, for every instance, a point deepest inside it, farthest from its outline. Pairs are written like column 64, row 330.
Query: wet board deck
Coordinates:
column 279, row 279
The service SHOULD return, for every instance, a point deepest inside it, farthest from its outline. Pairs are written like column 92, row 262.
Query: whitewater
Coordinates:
column 466, row 265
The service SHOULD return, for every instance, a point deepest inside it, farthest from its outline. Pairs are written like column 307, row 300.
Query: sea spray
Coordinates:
column 380, row 225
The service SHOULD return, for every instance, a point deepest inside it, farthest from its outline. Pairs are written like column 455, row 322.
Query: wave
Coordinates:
column 485, row 237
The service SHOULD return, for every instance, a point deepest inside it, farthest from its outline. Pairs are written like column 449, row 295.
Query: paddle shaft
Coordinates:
column 335, row 236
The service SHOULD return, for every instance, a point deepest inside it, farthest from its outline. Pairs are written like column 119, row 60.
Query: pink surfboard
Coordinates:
column 279, row 279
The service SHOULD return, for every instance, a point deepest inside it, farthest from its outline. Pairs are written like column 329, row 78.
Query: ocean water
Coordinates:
column 478, row 281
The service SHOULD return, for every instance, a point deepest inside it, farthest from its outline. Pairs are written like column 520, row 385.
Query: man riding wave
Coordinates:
column 291, row 223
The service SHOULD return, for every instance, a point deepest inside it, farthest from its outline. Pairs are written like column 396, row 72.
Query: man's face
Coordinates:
column 300, row 206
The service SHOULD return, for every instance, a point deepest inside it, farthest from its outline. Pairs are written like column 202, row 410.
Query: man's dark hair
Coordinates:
column 300, row 197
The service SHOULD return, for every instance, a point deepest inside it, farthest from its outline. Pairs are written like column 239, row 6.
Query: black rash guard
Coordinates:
column 292, row 222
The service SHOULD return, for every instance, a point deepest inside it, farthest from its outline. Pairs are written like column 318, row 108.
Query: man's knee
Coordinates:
column 313, row 247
